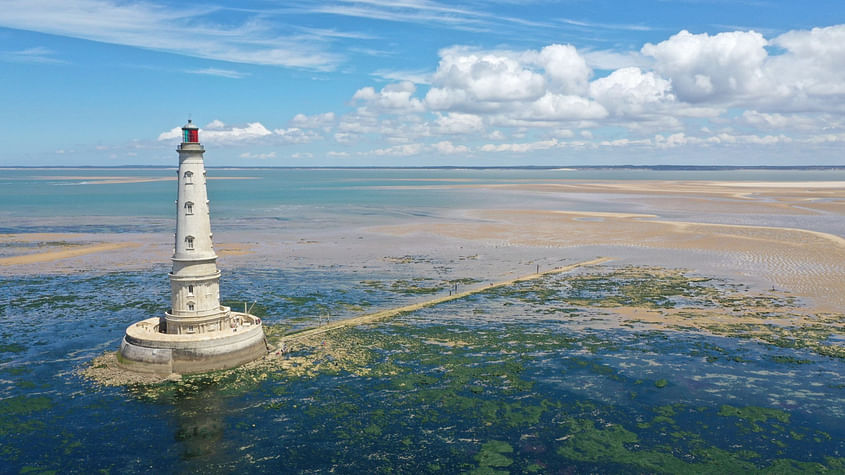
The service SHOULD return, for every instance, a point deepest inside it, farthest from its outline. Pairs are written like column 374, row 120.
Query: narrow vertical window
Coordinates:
column 190, row 289
column 191, row 306
column 189, row 208
column 189, row 178
column 189, row 242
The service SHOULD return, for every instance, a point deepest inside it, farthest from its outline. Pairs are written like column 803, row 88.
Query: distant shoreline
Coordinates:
column 513, row 167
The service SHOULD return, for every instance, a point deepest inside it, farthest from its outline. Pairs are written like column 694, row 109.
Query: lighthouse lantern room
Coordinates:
column 190, row 133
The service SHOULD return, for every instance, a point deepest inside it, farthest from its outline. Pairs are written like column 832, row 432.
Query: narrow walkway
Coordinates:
column 372, row 317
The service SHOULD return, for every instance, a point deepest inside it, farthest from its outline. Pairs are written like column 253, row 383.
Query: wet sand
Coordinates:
column 808, row 263
column 782, row 234
column 49, row 256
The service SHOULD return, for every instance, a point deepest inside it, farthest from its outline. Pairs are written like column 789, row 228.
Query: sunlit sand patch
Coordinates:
column 35, row 237
column 801, row 185
column 49, row 256
column 234, row 249
column 693, row 196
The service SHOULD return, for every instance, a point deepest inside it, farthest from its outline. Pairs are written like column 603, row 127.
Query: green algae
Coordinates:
column 789, row 359
column 654, row 288
column 12, row 348
column 754, row 414
column 16, row 414
column 49, row 301
column 417, row 286
column 492, row 456
column 446, row 374
column 31, row 469
column 649, row 287
column 409, row 259
column 613, row 444
column 23, row 405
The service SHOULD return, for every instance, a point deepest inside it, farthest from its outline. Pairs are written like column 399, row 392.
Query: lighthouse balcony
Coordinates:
column 229, row 323
column 202, row 314
column 189, row 146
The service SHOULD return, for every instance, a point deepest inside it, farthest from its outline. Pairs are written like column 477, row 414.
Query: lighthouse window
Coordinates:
column 189, row 208
column 189, row 178
column 191, row 306
column 189, row 242
column 191, row 289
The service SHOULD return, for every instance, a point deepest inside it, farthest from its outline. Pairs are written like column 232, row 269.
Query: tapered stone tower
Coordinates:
column 197, row 334
column 195, row 280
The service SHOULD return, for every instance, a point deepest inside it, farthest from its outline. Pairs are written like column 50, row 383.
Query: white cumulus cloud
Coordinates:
column 465, row 78
column 631, row 91
column 703, row 67
column 395, row 97
column 260, row 156
column 448, row 148
column 399, row 150
column 313, row 121
column 459, row 123
column 566, row 70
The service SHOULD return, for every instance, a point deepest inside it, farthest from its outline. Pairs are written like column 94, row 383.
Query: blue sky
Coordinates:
column 421, row 82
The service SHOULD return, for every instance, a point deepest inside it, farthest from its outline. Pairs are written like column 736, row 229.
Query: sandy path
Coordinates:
column 49, row 256
column 373, row 317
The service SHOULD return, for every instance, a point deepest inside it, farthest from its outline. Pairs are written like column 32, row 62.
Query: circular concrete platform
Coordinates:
column 146, row 350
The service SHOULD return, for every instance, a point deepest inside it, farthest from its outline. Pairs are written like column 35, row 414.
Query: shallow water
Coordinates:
column 520, row 380
column 527, row 383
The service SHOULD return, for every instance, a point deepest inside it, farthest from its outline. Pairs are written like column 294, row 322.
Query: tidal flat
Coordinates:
column 529, row 378
column 690, row 350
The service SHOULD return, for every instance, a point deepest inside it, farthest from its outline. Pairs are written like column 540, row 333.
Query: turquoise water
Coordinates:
column 533, row 383
column 27, row 192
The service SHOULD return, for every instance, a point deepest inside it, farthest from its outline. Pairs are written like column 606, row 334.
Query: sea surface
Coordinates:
column 526, row 380
column 72, row 192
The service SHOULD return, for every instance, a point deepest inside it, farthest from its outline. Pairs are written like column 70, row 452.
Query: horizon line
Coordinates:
column 441, row 167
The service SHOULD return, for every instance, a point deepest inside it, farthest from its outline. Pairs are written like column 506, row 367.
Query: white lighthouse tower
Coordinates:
column 197, row 334
column 195, row 280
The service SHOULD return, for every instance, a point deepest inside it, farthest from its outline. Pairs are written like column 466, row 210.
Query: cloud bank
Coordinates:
column 734, row 89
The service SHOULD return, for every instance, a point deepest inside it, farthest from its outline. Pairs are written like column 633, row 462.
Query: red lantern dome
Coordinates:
column 190, row 133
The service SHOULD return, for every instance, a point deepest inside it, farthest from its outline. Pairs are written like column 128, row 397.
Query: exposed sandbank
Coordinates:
column 809, row 263
column 65, row 253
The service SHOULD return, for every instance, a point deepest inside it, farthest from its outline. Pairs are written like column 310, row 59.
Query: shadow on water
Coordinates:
column 201, row 424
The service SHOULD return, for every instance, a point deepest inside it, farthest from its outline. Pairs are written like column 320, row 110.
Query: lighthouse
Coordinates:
column 195, row 280
column 197, row 334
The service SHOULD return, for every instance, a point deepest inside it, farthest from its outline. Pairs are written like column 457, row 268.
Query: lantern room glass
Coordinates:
column 190, row 135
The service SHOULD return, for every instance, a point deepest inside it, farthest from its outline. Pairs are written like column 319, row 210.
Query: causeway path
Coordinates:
column 384, row 314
